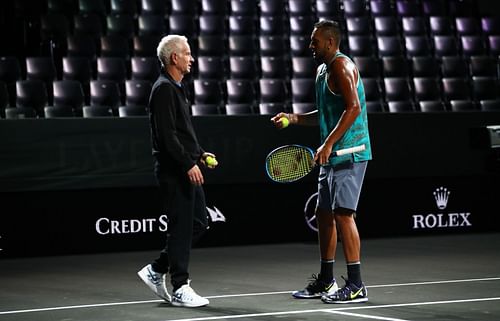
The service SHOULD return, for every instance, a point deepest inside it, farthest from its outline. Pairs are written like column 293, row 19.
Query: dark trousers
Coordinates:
column 184, row 205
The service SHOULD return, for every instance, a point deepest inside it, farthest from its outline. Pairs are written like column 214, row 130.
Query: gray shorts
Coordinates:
column 340, row 186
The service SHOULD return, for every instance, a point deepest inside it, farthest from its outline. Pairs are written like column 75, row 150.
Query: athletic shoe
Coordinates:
column 155, row 281
column 186, row 297
column 316, row 288
column 350, row 293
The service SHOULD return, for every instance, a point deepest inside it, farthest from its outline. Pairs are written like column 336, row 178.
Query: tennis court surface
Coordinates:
column 447, row 277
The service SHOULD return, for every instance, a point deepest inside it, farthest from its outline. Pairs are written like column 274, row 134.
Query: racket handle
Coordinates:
column 350, row 150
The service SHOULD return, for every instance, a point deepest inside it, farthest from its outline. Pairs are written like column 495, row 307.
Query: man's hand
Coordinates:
column 195, row 176
column 211, row 162
column 323, row 153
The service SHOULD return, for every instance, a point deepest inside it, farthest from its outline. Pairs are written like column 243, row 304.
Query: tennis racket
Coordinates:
column 290, row 163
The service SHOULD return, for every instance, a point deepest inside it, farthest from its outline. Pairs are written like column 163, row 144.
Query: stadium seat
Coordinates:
column 483, row 66
column 445, row 46
column 301, row 25
column 462, row 105
column 431, row 106
column 92, row 6
column 182, row 24
column 397, row 89
column 272, row 8
column 211, row 45
column 490, row 25
column 386, row 26
column 243, row 67
column 373, row 91
column 20, row 113
column 69, row 94
column 328, row 8
column 484, row 88
column 77, row 68
column 494, row 45
column 417, row 46
column 374, row 107
column 151, row 24
column 54, row 28
column 145, row 45
column 271, row 108
column 361, row 46
column 243, row 8
column 89, row 24
column 212, row 25
column 185, row 7
column 434, row 8
column 132, row 111
column 395, row 66
column 273, row 67
column 490, row 105
column 81, row 45
column 380, row 8
column 207, row 91
column 389, row 46
column 205, row 109
column 303, row 67
column 301, row 108
column 426, row 89
column 440, row 26
column 115, row 45
column 300, row 7
column 239, row 109
column 241, row 25
column 455, row 89
column 58, row 112
column 42, row 68
column 413, row 26
column 355, row 8
column 153, row 7
column 403, row 106
column 137, row 92
column 146, row 68
column 467, row 26
column 359, row 26
column 299, row 46
column 32, row 94
column 241, row 45
column 407, row 8
column 128, row 7
column 10, row 72
column 472, row 45
column 104, row 93
column 4, row 99
column 210, row 67
column 240, row 91
column 214, row 7
column 97, row 111
column 425, row 66
column 271, row 25
column 271, row 45
column 303, row 90
column 111, row 68
column 453, row 66
column 272, row 90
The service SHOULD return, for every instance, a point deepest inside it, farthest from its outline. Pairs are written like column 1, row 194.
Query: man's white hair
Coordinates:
column 167, row 46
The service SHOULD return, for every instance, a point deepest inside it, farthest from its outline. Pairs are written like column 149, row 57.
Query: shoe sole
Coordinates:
column 188, row 305
column 361, row 300
column 143, row 276
column 333, row 289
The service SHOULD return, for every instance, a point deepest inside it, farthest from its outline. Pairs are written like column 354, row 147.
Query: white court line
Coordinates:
column 365, row 316
column 357, row 307
column 97, row 305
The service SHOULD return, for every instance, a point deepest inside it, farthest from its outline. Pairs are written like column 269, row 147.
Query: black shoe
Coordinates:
column 316, row 289
column 350, row 293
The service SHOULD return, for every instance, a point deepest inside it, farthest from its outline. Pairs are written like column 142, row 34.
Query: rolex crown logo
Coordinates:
column 441, row 195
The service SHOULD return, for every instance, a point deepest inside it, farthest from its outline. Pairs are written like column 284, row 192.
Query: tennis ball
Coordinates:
column 284, row 122
column 211, row 161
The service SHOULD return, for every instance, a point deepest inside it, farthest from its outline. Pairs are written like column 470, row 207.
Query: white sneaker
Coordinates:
column 186, row 297
column 155, row 281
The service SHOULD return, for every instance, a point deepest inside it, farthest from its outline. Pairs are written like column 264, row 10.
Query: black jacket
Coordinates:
column 175, row 146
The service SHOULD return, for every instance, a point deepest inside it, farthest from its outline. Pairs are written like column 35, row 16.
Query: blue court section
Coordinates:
column 454, row 277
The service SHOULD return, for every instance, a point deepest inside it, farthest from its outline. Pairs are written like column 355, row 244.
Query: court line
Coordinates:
column 365, row 316
column 337, row 311
column 97, row 305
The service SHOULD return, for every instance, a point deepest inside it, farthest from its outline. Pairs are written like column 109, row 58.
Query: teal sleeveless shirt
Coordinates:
column 330, row 108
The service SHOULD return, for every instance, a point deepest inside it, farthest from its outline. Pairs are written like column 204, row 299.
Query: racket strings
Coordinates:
column 289, row 164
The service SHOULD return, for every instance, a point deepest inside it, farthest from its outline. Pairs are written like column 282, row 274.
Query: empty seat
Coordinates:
column 463, row 8
column 137, row 92
column 77, row 68
column 303, row 90
column 182, row 24
column 4, row 99
column 207, row 91
column 104, row 93
column 328, row 8
column 403, row 106
column 92, row 6
column 69, row 94
column 372, row 88
column 88, row 24
column 242, row 45
column 32, row 94
column 300, row 7
column 440, row 26
column 454, row 66
column 151, row 24
column 484, row 88
column 301, row 25
column 426, row 89
column 212, row 25
column 395, row 66
column 455, row 89
column 407, row 8
column 81, row 45
column 115, row 46
column 243, row 67
column 132, row 111
column 239, row 109
column 485, row 66
column 216, row 7
column 153, row 7
column 54, row 28
column 359, row 25
column 303, row 67
column 445, row 46
column 389, row 46
column 20, row 113
column 490, row 25
column 128, row 7
column 120, row 24
column 380, row 8
column 243, row 8
column 472, row 45
column 386, row 26
column 490, row 105
column 467, row 26
column 272, row 8
column 240, row 91
column 462, row 105
column 145, row 45
column 397, row 89
column 205, row 109
column 299, row 46
column 111, row 68
column 210, row 67
column 211, row 45
column 417, row 46
column 10, row 72
column 413, row 26
column 374, row 106
column 146, row 68
column 271, row 25
column 273, row 67
column 97, row 111
column 241, row 25
column 58, row 111
column 271, row 45
column 494, row 45
column 272, row 90
column 431, row 106
column 355, row 8
column 434, row 7
column 187, row 7
column 42, row 68
column 301, row 108
column 425, row 66
column 361, row 46
column 271, row 108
